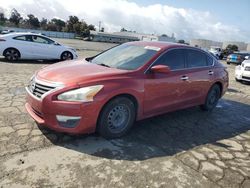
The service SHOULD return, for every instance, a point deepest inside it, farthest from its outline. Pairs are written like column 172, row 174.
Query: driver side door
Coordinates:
column 44, row 48
column 166, row 92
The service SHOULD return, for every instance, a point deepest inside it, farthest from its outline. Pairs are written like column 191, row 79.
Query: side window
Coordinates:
column 42, row 40
column 196, row 58
column 210, row 61
column 20, row 38
column 175, row 59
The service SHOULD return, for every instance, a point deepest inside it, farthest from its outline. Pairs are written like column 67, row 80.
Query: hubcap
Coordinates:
column 12, row 55
column 118, row 118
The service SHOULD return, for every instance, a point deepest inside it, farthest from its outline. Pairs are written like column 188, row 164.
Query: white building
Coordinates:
column 248, row 47
column 121, row 37
column 203, row 43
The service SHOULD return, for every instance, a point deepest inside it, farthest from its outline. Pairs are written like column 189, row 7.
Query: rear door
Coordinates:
column 166, row 91
column 200, row 75
column 24, row 45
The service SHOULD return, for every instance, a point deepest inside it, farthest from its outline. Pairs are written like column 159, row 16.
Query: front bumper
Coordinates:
column 46, row 112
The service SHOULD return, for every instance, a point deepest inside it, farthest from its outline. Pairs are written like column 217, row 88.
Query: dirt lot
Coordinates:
column 188, row 148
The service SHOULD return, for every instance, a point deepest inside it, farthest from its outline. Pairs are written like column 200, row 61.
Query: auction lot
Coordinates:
column 187, row 148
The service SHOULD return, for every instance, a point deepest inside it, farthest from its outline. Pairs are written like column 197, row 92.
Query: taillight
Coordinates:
column 2, row 40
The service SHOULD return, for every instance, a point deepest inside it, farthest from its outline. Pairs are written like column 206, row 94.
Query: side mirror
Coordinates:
column 160, row 69
column 57, row 44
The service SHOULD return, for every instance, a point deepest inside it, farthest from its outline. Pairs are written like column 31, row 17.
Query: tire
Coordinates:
column 66, row 56
column 212, row 99
column 228, row 63
column 11, row 54
column 116, row 118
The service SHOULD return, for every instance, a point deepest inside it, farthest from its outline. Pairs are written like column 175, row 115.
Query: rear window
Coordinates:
column 196, row 58
column 20, row 38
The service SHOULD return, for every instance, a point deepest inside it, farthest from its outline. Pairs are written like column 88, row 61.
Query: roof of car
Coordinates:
column 162, row 45
column 19, row 33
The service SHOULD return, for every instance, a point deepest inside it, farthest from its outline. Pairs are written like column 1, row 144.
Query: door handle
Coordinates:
column 210, row 72
column 184, row 78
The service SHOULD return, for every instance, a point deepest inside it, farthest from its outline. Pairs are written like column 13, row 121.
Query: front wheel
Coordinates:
column 66, row 56
column 212, row 99
column 116, row 118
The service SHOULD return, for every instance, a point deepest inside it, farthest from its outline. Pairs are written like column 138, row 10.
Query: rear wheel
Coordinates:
column 66, row 56
column 11, row 54
column 212, row 99
column 116, row 118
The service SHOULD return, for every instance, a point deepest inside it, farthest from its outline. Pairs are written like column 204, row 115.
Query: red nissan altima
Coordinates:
column 109, row 92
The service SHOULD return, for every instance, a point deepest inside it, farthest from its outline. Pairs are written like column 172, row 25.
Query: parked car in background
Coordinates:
column 216, row 51
column 7, row 32
column 242, row 72
column 237, row 57
column 133, row 81
column 16, row 46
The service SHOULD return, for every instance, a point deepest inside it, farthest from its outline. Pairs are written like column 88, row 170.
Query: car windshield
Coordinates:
column 126, row 56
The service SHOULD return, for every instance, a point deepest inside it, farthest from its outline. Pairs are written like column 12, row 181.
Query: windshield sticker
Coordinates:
column 152, row 48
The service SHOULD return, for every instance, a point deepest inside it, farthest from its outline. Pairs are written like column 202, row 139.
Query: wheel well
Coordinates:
column 129, row 96
column 12, row 48
column 220, row 85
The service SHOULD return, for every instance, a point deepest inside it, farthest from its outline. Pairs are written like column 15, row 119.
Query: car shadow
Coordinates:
column 168, row 134
column 3, row 60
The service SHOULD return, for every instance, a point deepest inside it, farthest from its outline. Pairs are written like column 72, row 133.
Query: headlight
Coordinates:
column 85, row 94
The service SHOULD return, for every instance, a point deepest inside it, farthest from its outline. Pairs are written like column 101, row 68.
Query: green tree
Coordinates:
column 71, row 22
column 232, row 47
column 43, row 23
column 32, row 21
column 123, row 29
column 15, row 17
column 60, row 24
column 181, row 41
column 91, row 27
column 2, row 18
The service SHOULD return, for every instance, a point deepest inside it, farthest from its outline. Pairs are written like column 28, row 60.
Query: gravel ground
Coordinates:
column 187, row 148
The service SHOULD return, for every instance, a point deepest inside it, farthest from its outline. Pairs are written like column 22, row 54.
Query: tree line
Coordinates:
column 73, row 24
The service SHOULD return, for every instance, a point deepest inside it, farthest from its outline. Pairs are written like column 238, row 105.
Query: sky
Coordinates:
column 220, row 20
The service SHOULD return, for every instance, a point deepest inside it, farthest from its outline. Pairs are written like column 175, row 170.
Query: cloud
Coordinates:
column 153, row 19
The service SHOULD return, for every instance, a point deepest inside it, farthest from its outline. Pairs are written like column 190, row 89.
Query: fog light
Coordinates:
column 68, row 121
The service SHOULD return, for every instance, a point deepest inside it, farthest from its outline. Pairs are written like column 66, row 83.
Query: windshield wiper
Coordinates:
column 104, row 65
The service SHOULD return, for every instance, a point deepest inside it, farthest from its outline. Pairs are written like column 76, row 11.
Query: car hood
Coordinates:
column 77, row 72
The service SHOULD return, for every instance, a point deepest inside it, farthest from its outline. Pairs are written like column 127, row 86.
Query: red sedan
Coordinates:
column 109, row 92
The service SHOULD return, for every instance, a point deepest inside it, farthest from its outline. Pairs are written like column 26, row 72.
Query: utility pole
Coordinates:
column 100, row 25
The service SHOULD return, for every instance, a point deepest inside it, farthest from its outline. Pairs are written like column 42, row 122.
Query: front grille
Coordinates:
column 247, row 69
column 38, row 89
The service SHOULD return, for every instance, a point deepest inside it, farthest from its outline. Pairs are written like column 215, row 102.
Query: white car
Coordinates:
column 16, row 46
column 242, row 72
